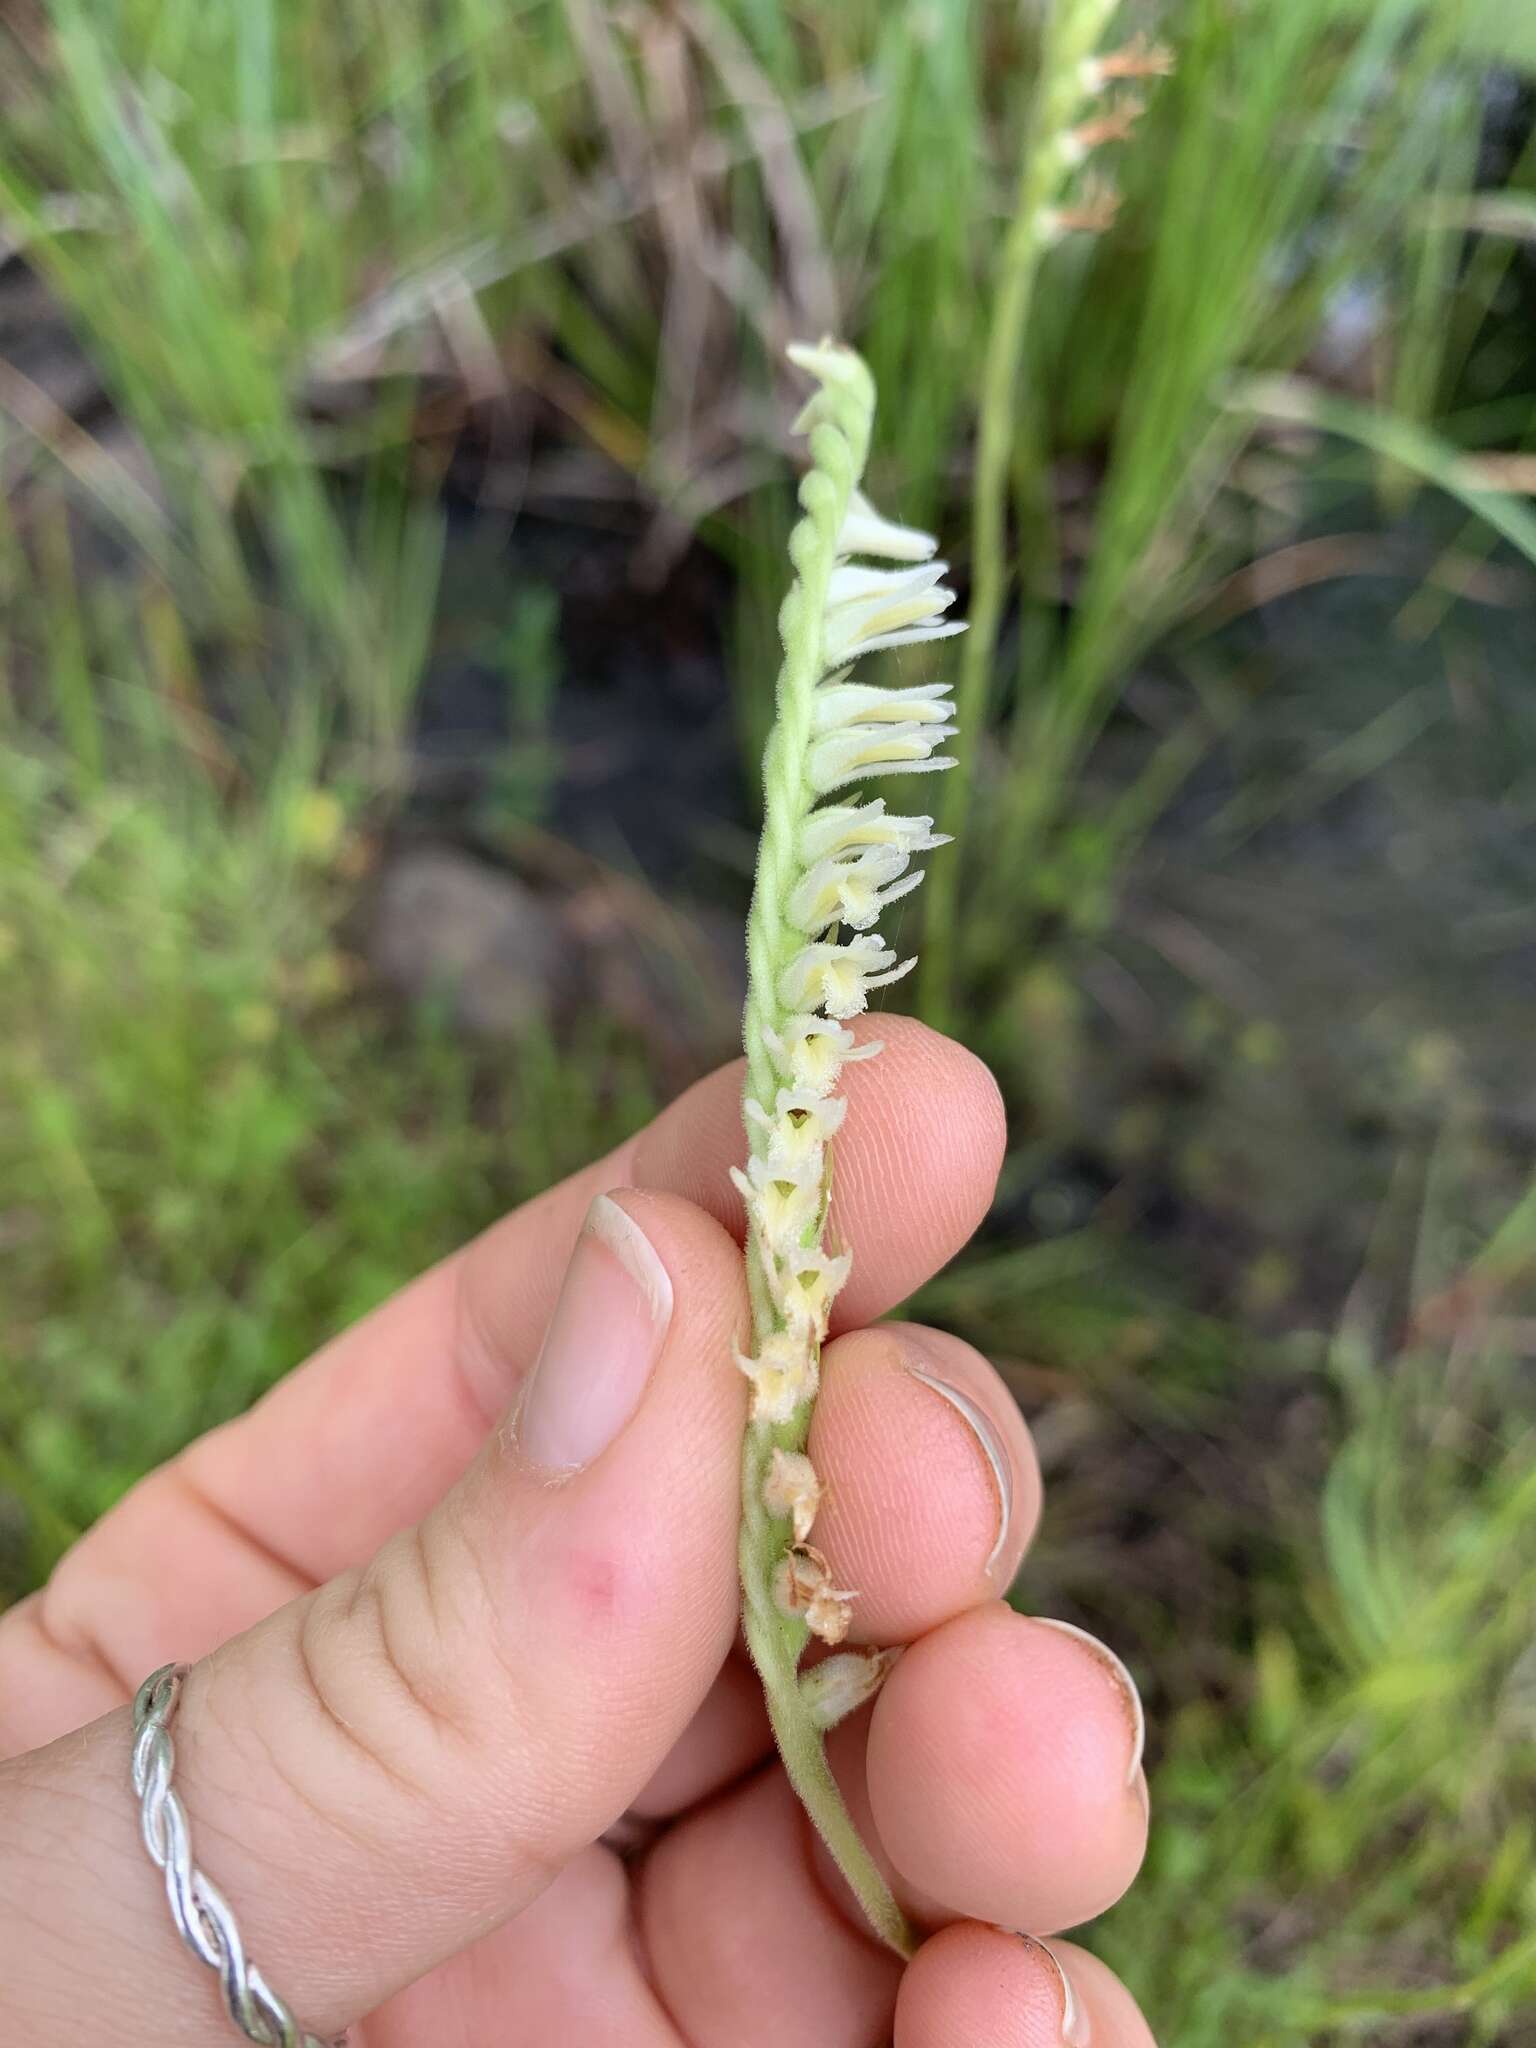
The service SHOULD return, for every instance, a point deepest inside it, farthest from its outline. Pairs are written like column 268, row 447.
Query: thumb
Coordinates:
column 386, row 1769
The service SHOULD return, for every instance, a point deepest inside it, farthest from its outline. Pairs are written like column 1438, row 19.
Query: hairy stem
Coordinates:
column 776, row 1639
column 776, row 1642
column 826, row 872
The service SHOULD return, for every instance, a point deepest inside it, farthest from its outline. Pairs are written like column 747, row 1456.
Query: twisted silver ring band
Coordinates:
column 203, row 1919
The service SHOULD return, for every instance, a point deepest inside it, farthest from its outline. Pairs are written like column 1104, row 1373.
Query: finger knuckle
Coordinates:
column 393, row 1658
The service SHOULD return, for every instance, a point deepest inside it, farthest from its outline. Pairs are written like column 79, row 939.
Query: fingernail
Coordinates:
column 993, row 1450
column 1074, row 2017
column 1133, row 1707
column 603, row 1340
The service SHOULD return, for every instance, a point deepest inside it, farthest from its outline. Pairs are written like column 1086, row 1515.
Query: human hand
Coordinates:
column 459, row 1622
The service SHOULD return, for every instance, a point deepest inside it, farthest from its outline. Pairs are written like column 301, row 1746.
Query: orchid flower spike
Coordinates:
column 831, row 864
column 829, row 870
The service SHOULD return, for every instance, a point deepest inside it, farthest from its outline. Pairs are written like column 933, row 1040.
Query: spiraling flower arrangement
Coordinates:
column 831, row 862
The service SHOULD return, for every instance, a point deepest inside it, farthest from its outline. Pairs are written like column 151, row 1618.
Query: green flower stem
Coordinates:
column 839, row 446
column 777, row 1642
column 1071, row 37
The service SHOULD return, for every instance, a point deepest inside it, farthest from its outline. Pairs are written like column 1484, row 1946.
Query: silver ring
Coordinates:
column 203, row 1919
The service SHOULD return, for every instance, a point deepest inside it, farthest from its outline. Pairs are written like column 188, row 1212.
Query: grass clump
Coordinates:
column 216, row 1147
column 1343, row 1850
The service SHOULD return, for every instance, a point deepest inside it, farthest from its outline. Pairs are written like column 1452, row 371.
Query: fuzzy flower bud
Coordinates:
column 1116, row 124
column 784, row 1374
column 852, row 892
column 800, row 1125
column 891, row 747
column 839, row 829
column 839, row 704
column 838, row 1686
column 811, row 1052
column 870, row 608
column 865, row 532
column 1139, row 58
column 792, row 1491
column 806, row 1284
column 1093, row 213
column 802, row 1585
column 838, row 979
column 781, row 1209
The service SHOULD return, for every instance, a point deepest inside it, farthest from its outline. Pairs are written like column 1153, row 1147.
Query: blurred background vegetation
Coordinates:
column 395, row 474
